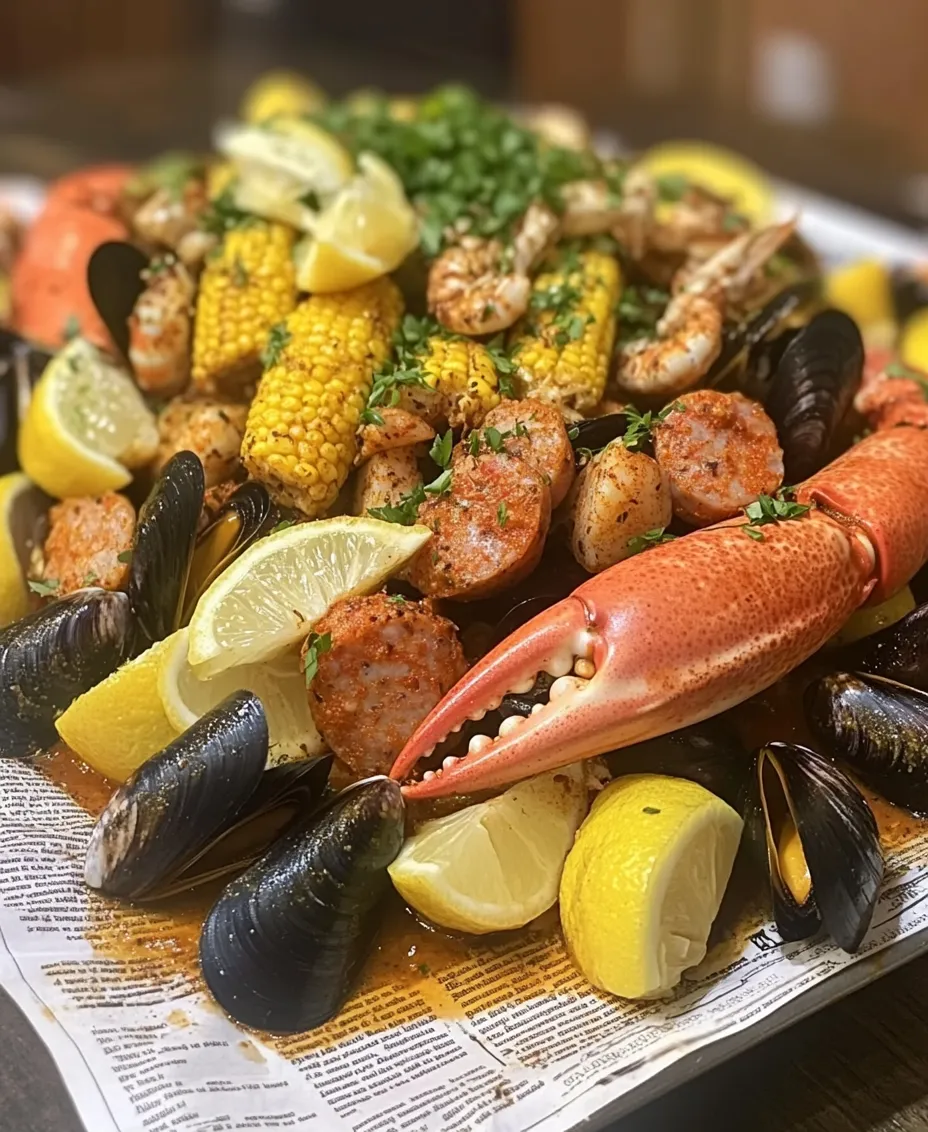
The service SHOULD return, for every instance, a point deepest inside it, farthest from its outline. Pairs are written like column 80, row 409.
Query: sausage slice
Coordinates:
column 489, row 529
column 390, row 663
column 535, row 432
column 85, row 539
column 720, row 451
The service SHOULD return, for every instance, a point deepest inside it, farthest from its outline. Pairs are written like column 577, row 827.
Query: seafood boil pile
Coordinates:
column 408, row 503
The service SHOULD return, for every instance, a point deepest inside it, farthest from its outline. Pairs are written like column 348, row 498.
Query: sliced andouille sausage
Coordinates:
column 618, row 495
column 212, row 429
column 85, row 539
column 489, row 529
column 720, row 452
column 391, row 660
column 535, row 432
column 385, row 479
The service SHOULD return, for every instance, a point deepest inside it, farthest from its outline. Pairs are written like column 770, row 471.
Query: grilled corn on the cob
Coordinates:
column 300, row 435
column 247, row 287
column 464, row 374
column 563, row 348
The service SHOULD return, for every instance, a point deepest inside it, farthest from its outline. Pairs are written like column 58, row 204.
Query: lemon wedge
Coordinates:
column 913, row 344
column 86, row 426
column 863, row 289
column 271, row 596
column 495, row 865
column 871, row 619
column 644, row 882
column 287, row 169
column 278, row 93
column 366, row 232
column 152, row 699
column 21, row 503
column 122, row 721
column 718, row 170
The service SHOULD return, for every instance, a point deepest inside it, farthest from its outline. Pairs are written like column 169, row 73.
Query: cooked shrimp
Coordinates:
column 159, row 331
column 385, row 479
column 636, row 218
column 592, row 207
column 469, row 292
column 619, row 495
column 212, row 429
column 400, row 429
column 689, row 335
column 167, row 216
column 88, row 540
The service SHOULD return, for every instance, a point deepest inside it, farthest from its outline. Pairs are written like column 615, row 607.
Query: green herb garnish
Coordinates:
column 672, row 186
column 48, row 588
column 277, row 338
column 396, row 599
column 223, row 214
column 124, row 556
column 239, row 274
column 90, row 579
column 638, row 312
column 639, row 426
column 440, row 451
column 281, row 526
column 653, row 537
column 316, row 645
column 777, row 508
column 71, row 328
column 502, row 514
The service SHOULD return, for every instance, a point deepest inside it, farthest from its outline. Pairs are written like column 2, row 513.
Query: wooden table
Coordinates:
column 858, row 1066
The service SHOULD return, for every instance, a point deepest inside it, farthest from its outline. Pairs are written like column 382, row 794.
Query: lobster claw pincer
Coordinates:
column 689, row 628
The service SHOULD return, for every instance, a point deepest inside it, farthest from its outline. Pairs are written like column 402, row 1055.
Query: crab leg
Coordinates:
column 692, row 627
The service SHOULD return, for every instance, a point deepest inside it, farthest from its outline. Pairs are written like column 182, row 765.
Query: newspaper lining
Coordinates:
column 144, row 1052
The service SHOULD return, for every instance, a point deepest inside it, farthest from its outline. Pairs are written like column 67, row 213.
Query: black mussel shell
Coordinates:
column 812, row 389
column 114, row 280
column 880, row 728
column 709, row 753
column 163, row 548
column 596, row 432
column 21, row 366
column 246, row 515
column 49, row 658
column 177, row 802
column 745, row 344
column 839, row 840
column 898, row 652
column 283, row 945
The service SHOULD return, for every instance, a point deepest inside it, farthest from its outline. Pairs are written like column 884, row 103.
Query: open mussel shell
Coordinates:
column 163, row 549
column 245, row 516
column 176, row 803
column 823, row 846
column 898, row 652
column 879, row 727
column 114, row 280
column 595, row 433
column 50, row 657
column 743, row 362
column 283, row 945
column 709, row 753
column 812, row 389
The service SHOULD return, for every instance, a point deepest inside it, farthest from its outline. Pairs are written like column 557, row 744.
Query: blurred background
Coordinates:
column 829, row 93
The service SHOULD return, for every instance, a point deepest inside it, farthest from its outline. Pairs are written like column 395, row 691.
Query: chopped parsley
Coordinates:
column 504, row 365
column 47, row 588
column 396, row 599
column 466, row 165
column 223, row 214
column 502, row 514
column 90, row 579
column 311, row 199
column 409, row 344
column 639, row 426
column 440, row 451
column 124, row 556
column 281, row 526
column 493, row 439
column 71, row 328
column 653, row 537
column 170, row 171
column 638, row 311
column 277, row 338
column 406, row 511
column 776, row 508
column 316, row 645
column 671, row 186
column 239, row 274
column 900, row 369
